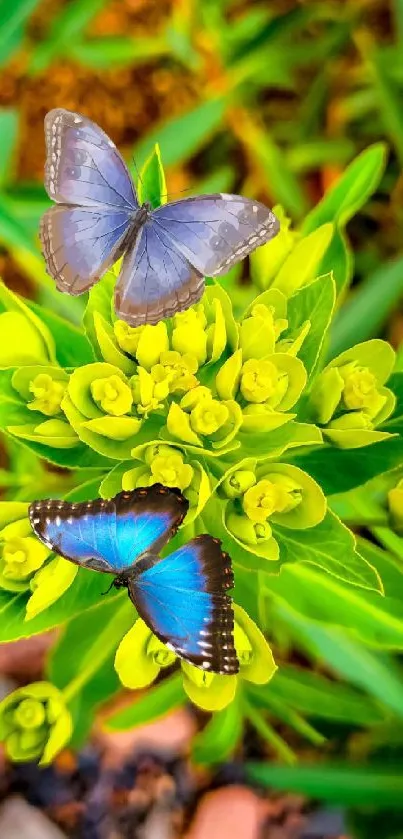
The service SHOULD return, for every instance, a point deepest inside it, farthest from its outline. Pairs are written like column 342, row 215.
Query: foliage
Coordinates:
column 280, row 454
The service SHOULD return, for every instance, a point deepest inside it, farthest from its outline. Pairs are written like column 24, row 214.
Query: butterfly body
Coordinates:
column 183, row 598
column 97, row 219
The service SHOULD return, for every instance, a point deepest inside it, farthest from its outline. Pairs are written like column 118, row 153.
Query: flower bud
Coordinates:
column 189, row 336
column 255, row 657
column 152, row 342
column 261, row 380
column 140, row 656
column 113, row 395
column 170, row 470
column 159, row 652
column 238, row 482
column 209, row 691
column 21, row 557
column 34, row 723
column 48, row 394
column 360, row 390
column 208, row 416
column 257, row 334
column 194, row 397
column 127, row 336
column 264, row 499
column 178, row 370
column 247, row 531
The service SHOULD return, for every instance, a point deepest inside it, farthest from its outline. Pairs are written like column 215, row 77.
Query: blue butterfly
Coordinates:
column 167, row 251
column 182, row 598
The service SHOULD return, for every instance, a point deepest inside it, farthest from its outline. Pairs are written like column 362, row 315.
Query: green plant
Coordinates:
column 270, row 444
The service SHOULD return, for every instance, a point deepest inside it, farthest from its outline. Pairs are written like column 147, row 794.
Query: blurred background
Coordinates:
column 271, row 99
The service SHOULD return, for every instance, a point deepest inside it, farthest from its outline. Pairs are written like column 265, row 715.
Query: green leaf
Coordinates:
column 9, row 138
column 219, row 738
column 154, row 703
column 340, row 784
column 301, row 266
column 351, row 191
column 317, row 696
column 152, row 185
column 180, row 137
column 314, row 302
column 110, row 622
column 64, row 30
column 376, row 674
column 12, row 23
column 367, row 308
column 284, row 185
column 72, row 346
column 100, row 301
column 331, row 546
column 394, row 424
column 338, row 470
column 374, row 619
column 117, row 51
column 388, row 94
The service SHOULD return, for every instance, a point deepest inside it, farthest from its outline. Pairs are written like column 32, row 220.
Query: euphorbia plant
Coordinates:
column 239, row 408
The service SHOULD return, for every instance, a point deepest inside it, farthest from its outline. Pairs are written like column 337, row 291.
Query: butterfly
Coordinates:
column 97, row 219
column 182, row 598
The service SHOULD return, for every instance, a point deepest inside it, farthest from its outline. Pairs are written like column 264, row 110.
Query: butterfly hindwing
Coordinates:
column 110, row 535
column 80, row 243
column 156, row 280
column 214, row 232
column 183, row 599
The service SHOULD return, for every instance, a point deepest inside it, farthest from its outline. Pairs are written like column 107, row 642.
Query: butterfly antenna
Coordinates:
column 180, row 192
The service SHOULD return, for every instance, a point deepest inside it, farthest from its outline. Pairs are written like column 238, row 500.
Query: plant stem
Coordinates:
column 269, row 734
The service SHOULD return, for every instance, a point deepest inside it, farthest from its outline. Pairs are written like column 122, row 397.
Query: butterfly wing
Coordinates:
column 156, row 279
column 80, row 243
column 87, row 177
column 110, row 535
column 183, row 599
column 83, row 166
column 214, row 232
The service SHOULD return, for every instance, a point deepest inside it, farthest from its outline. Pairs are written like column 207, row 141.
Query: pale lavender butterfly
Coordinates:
column 167, row 251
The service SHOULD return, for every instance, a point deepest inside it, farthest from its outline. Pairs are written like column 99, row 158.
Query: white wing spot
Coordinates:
column 77, row 120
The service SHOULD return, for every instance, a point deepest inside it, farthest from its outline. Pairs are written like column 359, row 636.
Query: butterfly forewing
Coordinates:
column 183, row 599
column 214, row 232
column 110, row 535
column 83, row 165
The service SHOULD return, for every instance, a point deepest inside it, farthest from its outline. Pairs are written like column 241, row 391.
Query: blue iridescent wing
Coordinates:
column 87, row 177
column 80, row 243
column 156, row 279
column 183, row 599
column 110, row 535
column 83, row 166
column 214, row 232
